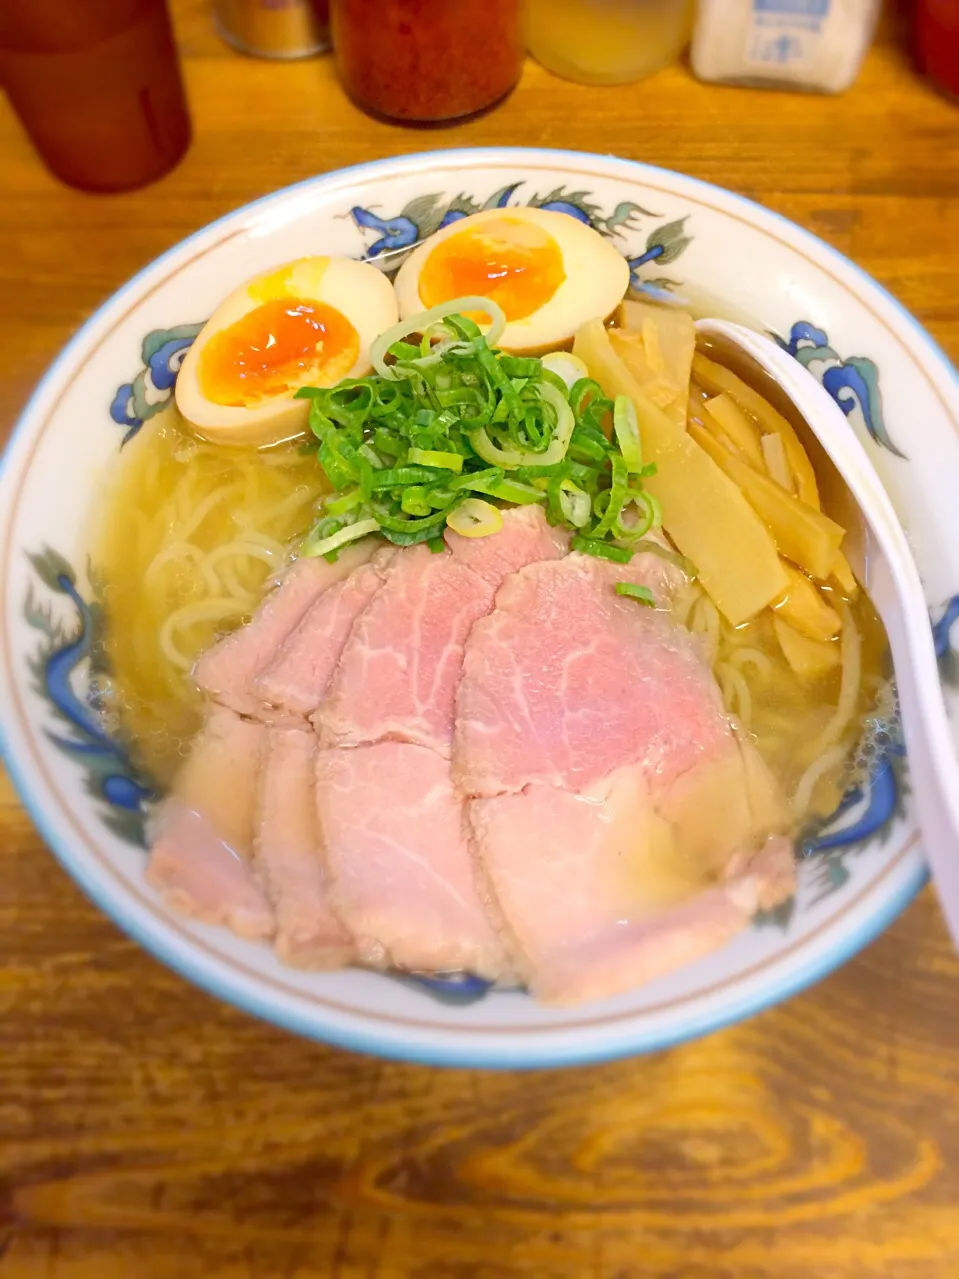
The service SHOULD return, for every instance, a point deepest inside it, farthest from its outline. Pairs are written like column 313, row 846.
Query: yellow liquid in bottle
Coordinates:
column 607, row 41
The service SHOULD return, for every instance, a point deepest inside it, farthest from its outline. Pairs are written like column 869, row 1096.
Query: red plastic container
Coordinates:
column 937, row 31
column 97, row 86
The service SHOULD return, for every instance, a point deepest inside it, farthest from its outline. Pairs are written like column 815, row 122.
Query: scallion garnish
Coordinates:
column 626, row 427
column 447, row 419
column 641, row 594
column 602, row 550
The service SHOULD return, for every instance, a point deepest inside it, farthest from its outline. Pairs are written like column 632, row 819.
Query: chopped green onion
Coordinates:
column 333, row 543
column 569, row 368
column 613, row 499
column 427, row 319
column 474, row 479
column 415, row 501
column 396, row 524
column 402, row 537
column 642, row 594
column 483, row 446
column 587, row 449
column 340, row 505
column 492, row 481
column 601, row 550
column 583, row 393
column 402, row 475
column 432, row 457
column 574, row 504
column 513, row 491
column 649, row 516
column 447, row 418
column 475, row 518
column 440, row 498
column 555, row 451
column 626, row 427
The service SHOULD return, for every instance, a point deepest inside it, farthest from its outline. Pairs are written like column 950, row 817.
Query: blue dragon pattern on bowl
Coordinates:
column 68, row 664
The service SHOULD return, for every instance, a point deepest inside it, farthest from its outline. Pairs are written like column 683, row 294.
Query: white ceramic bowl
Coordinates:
column 897, row 389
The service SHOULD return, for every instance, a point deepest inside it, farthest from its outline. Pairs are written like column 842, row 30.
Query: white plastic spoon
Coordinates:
column 888, row 572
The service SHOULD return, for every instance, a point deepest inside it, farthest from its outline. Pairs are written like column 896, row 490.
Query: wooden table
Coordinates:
column 149, row 1132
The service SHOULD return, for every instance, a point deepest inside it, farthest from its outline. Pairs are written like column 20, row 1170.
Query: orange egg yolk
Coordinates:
column 276, row 348
column 514, row 263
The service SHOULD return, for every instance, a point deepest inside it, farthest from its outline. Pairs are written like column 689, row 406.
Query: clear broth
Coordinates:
column 789, row 713
column 192, row 535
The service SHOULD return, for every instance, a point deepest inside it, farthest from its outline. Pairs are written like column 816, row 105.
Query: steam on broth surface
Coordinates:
column 195, row 534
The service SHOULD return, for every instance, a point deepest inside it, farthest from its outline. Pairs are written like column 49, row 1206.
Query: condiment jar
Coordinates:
column 607, row 41
column 427, row 60
column 274, row 28
column 817, row 45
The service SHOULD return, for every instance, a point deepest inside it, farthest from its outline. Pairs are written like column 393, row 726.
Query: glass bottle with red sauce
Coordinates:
column 97, row 86
column 937, row 31
column 427, row 60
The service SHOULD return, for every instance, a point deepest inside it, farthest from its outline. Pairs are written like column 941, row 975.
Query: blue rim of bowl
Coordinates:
column 498, row 1055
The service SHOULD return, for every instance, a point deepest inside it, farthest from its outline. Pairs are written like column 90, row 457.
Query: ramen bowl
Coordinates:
column 897, row 390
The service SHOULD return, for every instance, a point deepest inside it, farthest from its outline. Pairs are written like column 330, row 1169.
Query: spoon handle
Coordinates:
column 894, row 585
column 933, row 774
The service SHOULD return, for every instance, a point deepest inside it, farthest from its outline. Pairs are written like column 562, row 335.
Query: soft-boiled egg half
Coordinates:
column 308, row 323
column 547, row 271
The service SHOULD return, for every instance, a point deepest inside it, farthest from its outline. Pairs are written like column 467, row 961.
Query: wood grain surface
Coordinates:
column 150, row 1132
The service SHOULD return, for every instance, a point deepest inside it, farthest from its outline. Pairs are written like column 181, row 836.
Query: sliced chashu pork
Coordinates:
column 246, row 788
column 600, row 894
column 402, row 874
column 554, row 680
column 237, row 841
column 202, row 836
column 392, row 824
column 622, row 822
column 241, row 789
column 295, row 681
column 288, row 854
column 398, row 673
column 226, row 671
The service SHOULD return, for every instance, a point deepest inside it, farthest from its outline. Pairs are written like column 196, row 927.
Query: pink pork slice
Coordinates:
column 623, row 823
column 601, row 894
column 202, row 837
column 398, row 673
column 402, row 874
column 226, row 671
column 560, row 686
column 295, row 681
column 288, row 855
column 402, row 878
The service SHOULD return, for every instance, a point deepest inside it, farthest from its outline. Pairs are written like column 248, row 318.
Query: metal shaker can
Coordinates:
column 274, row 28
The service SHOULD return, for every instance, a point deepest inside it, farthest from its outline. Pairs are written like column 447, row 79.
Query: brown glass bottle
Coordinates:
column 97, row 86
column 427, row 60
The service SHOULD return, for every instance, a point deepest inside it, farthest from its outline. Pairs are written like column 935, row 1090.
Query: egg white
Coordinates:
column 359, row 291
column 597, row 277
